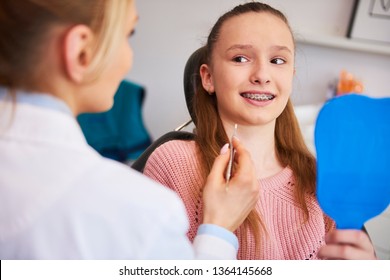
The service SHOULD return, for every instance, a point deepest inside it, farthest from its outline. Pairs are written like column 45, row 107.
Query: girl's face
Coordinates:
column 252, row 68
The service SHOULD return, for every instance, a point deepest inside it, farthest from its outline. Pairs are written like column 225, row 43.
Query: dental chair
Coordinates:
column 191, row 72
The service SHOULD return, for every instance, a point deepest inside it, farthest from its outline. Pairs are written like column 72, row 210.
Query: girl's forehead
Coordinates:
column 255, row 26
column 260, row 21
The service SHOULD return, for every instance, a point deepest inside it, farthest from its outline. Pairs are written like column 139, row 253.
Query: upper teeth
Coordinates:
column 261, row 97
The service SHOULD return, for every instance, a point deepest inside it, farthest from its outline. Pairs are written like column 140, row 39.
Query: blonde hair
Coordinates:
column 290, row 146
column 24, row 25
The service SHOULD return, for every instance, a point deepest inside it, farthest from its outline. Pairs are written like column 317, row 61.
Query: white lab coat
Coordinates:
column 59, row 199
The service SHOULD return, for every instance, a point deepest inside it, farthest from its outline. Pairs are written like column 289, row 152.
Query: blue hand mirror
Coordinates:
column 352, row 138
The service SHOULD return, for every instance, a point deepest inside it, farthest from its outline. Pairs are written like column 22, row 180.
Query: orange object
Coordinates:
column 348, row 84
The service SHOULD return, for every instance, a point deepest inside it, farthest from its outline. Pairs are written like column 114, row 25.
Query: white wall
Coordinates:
column 170, row 30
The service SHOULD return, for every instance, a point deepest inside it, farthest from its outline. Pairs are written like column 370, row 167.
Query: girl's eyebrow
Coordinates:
column 281, row 48
column 239, row 47
column 245, row 47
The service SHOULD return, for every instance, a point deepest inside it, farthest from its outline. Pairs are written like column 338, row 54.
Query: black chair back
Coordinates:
column 191, row 80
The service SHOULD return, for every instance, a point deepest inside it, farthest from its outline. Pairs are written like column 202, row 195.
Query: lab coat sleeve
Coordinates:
column 174, row 244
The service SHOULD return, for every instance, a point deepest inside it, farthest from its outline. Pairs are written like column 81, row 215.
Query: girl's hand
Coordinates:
column 347, row 245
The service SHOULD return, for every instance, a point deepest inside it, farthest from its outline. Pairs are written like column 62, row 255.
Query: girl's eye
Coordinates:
column 240, row 59
column 278, row 61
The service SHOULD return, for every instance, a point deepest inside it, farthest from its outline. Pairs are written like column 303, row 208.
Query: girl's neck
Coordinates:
column 260, row 142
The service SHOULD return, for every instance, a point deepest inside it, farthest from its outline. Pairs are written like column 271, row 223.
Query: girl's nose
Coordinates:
column 260, row 74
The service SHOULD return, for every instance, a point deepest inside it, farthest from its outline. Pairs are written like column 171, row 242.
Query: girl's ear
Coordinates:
column 207, row 80
column 77, row 52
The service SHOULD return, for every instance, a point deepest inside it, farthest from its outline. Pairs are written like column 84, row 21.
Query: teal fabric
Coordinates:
column 352, row 138
column 119, row 133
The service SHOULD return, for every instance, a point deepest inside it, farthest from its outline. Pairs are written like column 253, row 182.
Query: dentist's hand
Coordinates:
column 229, row 208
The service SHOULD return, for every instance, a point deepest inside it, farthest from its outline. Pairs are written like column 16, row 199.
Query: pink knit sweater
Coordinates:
column 175, row 164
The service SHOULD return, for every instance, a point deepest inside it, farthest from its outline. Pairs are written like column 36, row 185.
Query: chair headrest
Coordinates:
column 191, row 77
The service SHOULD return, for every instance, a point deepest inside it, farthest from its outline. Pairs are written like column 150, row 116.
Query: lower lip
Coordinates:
column 258, row 103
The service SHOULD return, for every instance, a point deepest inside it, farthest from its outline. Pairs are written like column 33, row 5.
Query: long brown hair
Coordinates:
column 291, row 149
